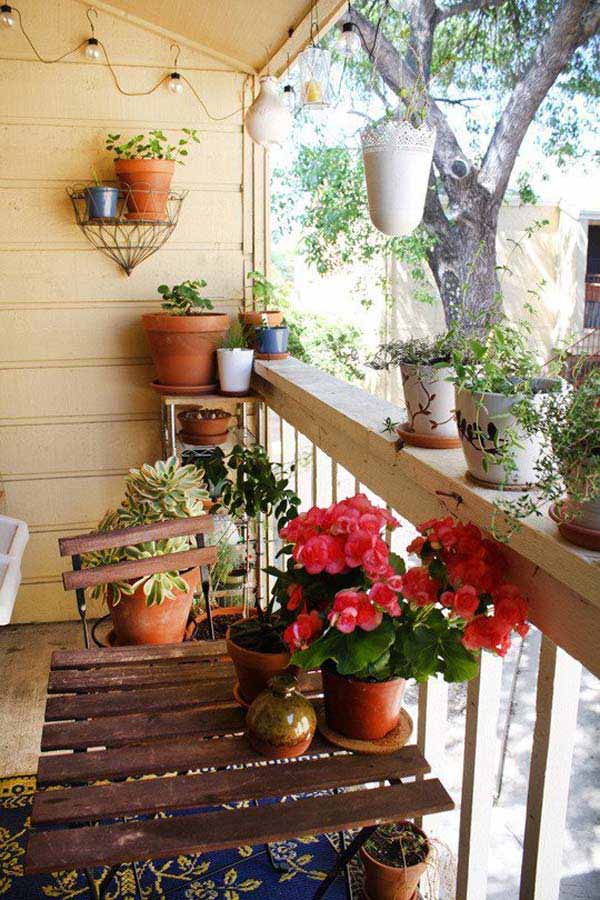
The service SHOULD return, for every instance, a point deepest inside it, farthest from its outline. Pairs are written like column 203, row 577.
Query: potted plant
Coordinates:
column 101, row 199
column 272, row 340
column 184, row 338
column 499, row 396
column 355, row 611
column 153, row 609
column 425, row 369
column 205, row 426
column 145, row 166
column 234, row 359
column 264, row 294
column 395, row 858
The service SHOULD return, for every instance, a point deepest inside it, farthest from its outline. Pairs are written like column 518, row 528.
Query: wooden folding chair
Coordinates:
column 80, row 579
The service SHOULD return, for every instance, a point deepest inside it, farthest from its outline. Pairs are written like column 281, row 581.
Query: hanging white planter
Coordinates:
column 397, row 159
column 268, row 121
column 235, row 370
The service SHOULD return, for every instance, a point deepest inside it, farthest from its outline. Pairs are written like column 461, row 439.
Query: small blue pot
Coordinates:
column 272, row 338
column 102, row 202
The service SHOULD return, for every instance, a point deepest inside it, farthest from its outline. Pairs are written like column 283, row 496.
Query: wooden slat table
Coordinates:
column 168, row 711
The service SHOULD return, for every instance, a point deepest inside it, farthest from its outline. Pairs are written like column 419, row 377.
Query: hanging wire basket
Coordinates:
column 127, row 224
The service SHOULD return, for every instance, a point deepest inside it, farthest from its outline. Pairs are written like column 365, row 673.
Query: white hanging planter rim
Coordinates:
column 398, row 134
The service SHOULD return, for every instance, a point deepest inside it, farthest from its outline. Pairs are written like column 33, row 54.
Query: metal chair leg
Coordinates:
column 343, row 859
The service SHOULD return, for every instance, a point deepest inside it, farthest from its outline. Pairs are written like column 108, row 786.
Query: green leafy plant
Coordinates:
column 427, row 351
column 264, row 292
column 155, row 146
column 166, row 490
column 185, row 299
column 236, row 338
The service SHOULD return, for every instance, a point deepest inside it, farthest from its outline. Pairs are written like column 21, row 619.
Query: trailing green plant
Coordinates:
column 236, row 338
column 185, row 299
column 425, row 351
column 166, row 490
column 155, row 146
column 264, row 292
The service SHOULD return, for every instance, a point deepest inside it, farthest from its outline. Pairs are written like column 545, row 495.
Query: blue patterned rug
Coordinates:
column 228, row 875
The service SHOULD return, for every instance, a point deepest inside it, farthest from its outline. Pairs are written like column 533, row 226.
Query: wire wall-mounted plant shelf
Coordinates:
column 128, row 224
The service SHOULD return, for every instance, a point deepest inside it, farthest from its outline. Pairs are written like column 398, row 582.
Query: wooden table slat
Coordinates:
column 88, row 846
column 129, row 678
column 118, row 656
column 85, row 804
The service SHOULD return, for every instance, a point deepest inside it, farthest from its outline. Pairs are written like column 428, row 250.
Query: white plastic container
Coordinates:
column 235, row 371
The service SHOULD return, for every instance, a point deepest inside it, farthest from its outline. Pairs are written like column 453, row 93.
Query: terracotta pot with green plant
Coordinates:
column 145, row 167
column 264, row 296
column 184, row 338
column 203, row 424
column 395, row 858
column 153, row 609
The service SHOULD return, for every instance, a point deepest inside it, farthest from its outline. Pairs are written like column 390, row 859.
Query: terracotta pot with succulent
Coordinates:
column 500, row 389
column 145, row 167
column 395, row 858
column 205, row 427
column 425, row 369
column 568, row 467
column 235, row 360
column 155, row 608
column 184, row 338
column 354, row 610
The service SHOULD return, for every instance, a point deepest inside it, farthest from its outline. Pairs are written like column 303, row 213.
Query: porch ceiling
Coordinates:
column 244, row 31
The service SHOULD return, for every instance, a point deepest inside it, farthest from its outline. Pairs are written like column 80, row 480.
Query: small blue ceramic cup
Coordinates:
column 272, row 338
column 102, row 201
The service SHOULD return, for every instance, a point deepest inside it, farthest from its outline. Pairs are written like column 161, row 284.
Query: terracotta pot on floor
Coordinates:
column 184, row 348
column 253, row 669
column 363, row 710
column 136, row 623
column 148, row 182
column 391, row 882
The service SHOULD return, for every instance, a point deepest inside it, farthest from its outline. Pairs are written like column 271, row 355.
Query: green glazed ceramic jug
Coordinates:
column 281, row 722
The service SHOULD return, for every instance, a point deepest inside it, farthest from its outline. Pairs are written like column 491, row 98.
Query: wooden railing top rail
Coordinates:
column 562, row 581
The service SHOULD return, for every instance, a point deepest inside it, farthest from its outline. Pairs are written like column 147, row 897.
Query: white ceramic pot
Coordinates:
column 429, row 400
column 235, row 370
column 483, row 422
column 268, row 121
column 397, row 159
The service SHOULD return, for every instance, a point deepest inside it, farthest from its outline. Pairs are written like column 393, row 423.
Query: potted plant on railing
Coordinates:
column 354, row 611
column 153, row 609
column 184, row 338
column 235, row 359
column 499, row 395
column 272, row 340
column 145, row 166
column 395, row 858
column 264, row 295
column 425, row 369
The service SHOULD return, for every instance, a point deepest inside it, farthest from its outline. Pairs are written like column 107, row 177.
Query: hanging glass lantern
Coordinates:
column 315, row 78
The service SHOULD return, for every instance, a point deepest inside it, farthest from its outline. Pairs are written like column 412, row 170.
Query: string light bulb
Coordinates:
column 7, row 20
column 175, row 84
column 92, row 49
column 348, row 42
column 289, row 97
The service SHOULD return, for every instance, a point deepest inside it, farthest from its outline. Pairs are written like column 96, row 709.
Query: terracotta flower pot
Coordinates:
column 184, row 348
column 204, row 427
column 136, row 623
column 254, row 670
column 255, row 317
column 384, row 882
column 148, row 182
column 363, row 710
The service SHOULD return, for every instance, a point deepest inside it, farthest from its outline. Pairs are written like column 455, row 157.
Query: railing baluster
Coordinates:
column 432, row 723
column 296, row 461
column 314, row 487
column 334, row 481
column 559, row 677
column 479, row 772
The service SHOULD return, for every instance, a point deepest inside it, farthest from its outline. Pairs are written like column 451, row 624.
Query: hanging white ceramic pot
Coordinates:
column 268, row 121
column 397, row 159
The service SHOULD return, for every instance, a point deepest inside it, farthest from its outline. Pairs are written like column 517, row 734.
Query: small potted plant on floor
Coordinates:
column 235, row 360
column 370, row 625
column 395, row 858
column 425, row 369
column 145, row 166
column 184, row 338
column 499, row 395
column 206, row 427
column 101, row 199
column 264, row 295
column 153, row 609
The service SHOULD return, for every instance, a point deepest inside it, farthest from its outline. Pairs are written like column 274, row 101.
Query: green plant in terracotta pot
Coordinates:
column 153, row 609
column 265, row 295
column 395, row 858
column 354, row 611
column 184, row 337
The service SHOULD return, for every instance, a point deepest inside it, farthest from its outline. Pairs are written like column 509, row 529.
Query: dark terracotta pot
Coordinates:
column 363, row 710
column 136, row 623
column 254, row 670
column 148, row 182
column 204, row 427
column 391, row 882
column 184, row 348
column 281, row 722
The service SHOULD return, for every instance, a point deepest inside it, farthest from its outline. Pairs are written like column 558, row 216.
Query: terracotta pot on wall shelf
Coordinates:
column 281, row 722
column 363, row 710
column 384, row 882
column 136, row 623
column 148, row 182
column 184, row 348
column 253, row 669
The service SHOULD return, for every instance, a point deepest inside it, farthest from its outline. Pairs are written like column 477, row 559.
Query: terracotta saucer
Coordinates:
column 575, row 534
column 238, row 697
column 492, row 486
column 392, row 741
column 431, row 441
column 271, row 355
column 183, row 390
column 209, row 440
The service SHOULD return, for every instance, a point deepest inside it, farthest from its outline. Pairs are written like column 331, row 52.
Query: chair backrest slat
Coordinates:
column 137, row 534
column 171, row 562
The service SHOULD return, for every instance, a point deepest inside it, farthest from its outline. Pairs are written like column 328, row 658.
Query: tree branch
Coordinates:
column 467, row 6
column 574, row 24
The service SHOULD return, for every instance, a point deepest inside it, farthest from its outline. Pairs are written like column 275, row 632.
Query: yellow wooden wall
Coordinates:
column 75, row 407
